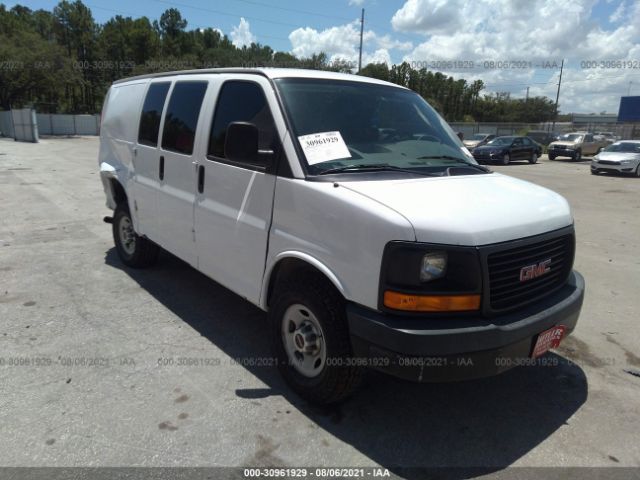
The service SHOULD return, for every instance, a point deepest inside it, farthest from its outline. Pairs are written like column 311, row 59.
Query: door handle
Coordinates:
column 201, row 179
column 162, row 167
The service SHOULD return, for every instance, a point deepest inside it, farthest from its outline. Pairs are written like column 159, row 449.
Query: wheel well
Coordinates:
column 117, row 190
column 290, row 267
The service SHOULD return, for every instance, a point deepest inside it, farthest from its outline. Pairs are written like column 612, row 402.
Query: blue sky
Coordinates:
column 533, row 33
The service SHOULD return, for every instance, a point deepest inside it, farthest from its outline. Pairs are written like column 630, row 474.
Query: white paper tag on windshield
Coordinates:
column 321, row 147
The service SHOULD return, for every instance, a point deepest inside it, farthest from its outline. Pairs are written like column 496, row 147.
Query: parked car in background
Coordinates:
column 478, row 140
column 620, row 157
column 575, row 145
column 607, row 137
column 542, row 137
column 505, row 149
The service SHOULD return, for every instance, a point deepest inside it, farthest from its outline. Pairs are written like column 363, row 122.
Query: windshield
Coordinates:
column 571, row 137
column 343, row 123
column 501, row 141
column 624, row 147
column 479, row 136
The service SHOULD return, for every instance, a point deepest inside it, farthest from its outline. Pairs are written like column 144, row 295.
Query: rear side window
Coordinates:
column 241, row 102
column 181, row 119
column 151, row 113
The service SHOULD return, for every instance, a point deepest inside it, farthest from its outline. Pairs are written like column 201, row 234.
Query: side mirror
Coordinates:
column 241, row 145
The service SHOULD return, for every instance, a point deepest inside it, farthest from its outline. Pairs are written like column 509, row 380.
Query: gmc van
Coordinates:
column 347, row 209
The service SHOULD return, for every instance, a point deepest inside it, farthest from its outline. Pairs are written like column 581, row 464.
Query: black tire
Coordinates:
column 552, row 157
column 534, row 158
column 577, row 156
column 337, row 379
column 143, row 253
column 638, row 171
column 594, row 172
column 506, row 159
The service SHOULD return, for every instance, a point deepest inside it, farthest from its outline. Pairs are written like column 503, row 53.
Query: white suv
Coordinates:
column 348, row 209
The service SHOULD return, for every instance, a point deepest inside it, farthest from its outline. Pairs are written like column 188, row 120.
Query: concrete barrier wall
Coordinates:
column 6, row 125
column 59, row 124
column 55, row 124
column 25, row 128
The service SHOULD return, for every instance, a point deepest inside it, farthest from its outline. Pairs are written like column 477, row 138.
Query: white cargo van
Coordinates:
column 351, row 212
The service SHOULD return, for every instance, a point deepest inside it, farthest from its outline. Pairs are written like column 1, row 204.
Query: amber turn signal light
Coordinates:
column 431, row 303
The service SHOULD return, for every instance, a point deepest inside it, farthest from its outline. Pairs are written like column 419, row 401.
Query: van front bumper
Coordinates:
column 436, row 349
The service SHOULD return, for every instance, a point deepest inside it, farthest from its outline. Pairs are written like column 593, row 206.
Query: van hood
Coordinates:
column 470, row 210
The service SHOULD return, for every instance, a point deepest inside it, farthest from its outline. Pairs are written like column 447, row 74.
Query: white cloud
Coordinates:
column 343, row 42
column 357, row 3
column 535, row 31
column 618, row 14
column 241, row 35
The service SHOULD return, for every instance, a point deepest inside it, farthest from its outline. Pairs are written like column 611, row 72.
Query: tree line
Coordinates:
column 62, row 61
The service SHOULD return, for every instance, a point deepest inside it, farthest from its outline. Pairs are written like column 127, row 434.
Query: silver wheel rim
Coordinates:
column 303, row 340
column 127, row 235
column 534, row 157
column 506, row 159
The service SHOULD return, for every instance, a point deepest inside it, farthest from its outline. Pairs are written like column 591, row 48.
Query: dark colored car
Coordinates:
column 543, row 137
column 505, row 149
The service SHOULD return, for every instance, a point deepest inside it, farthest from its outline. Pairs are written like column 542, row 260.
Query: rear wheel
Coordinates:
column 638, row 171
column 577, row 156
column 311, row 341
column 534, row 158
column 134, row 250
column 552, row 157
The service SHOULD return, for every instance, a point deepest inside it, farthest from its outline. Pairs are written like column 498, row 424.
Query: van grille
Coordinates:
column 508, row 291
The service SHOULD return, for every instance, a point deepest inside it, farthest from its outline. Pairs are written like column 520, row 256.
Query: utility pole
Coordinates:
column 361, row 33
column 553, row 126
column 629, row 89
column 527, row 97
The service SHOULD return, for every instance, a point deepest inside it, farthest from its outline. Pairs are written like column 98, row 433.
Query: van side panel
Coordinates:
column 344, row 232
column 118, row 134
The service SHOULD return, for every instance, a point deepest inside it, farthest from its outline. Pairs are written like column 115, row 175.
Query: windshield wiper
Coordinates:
column 375, row 167
column 458, row 160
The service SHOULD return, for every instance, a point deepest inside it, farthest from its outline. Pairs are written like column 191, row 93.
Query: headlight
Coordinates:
column 434, row 266
column 626, row 162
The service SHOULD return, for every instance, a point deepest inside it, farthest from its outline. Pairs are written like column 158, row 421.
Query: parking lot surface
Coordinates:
column 101, row 365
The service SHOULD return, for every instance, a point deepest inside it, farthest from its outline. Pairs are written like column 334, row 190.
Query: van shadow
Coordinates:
column 455, row 429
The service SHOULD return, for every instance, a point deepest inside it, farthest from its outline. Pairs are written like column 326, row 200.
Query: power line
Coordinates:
column 553, row 126
column 226, row 14
column 295, row 10
column 361, row 32
column 134, row 14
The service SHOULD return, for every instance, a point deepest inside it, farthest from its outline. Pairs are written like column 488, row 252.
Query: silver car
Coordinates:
column 620, row 157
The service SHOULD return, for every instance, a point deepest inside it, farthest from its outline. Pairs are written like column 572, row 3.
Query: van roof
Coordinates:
column 266, row 72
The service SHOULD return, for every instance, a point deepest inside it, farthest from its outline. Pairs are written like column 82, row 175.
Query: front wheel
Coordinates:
column 577, row 156
column 311, row 341
column 506, row 159
column 134, row 251
column 534, row 158
column 638, row 171
column 552, row 157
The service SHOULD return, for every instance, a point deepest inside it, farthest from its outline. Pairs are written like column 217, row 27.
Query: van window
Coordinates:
column 181, row 120
column 241, row 101
column 151, row 113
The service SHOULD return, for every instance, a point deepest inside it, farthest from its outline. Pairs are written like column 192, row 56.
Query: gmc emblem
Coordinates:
column 536, row 270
